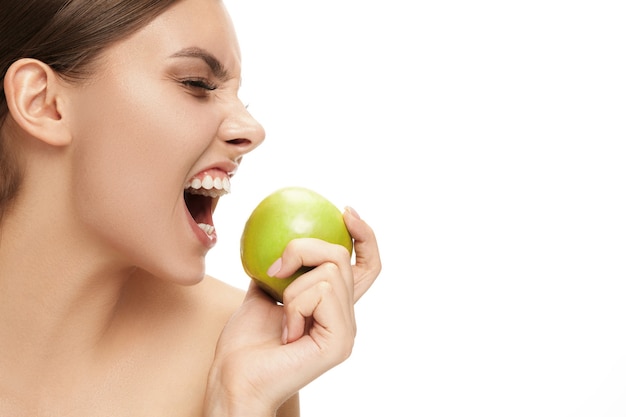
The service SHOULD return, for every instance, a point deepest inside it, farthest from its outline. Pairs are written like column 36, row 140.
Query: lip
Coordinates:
column 228, row 168
column 208, row 241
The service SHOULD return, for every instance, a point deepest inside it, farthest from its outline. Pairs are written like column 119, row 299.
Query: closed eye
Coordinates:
column 199, row 83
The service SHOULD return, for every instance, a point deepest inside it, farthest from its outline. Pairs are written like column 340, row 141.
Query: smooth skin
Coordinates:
column 106, row 309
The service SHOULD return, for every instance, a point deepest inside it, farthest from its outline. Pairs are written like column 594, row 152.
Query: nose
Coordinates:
column 240, row 131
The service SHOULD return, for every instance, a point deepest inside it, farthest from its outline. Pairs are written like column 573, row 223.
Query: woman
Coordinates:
column 110, row 110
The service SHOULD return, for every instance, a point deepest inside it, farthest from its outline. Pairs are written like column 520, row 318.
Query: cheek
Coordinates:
column 137, row 134
column 131, row 158
column 123, row 152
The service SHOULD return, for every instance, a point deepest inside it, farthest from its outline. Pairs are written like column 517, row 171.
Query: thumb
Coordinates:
column 367, row 257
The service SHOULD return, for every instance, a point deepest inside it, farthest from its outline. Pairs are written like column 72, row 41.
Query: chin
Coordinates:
column 190, row 279
column 185, row 276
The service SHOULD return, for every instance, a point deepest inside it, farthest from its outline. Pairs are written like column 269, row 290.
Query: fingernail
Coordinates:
column 275, row 267
column 353, row 212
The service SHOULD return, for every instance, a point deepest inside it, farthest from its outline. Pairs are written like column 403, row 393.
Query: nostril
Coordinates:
column 239, row 142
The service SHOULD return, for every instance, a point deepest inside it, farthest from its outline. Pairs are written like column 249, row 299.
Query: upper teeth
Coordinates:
column 209, row 186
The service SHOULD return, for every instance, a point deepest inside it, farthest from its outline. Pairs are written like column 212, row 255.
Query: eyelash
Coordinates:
column 199, row 83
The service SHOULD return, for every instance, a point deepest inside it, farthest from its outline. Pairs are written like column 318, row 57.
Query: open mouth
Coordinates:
column 201, row 195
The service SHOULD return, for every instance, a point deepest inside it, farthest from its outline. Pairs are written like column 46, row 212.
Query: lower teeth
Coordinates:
column 208, row 229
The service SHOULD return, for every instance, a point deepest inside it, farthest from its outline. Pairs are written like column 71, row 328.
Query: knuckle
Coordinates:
column 330, row 268
column 291, row 247
column 342, row 254
column 324, row 287
column 289, row 295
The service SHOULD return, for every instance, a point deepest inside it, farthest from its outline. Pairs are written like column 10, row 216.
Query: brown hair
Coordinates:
column 68, row 35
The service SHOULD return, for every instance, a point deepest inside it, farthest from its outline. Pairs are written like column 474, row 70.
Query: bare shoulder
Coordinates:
column 220, row 298
column 192, row 316
column 210, row 302
column 178, row 338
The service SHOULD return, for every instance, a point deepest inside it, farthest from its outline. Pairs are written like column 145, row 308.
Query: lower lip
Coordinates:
column 208, row 241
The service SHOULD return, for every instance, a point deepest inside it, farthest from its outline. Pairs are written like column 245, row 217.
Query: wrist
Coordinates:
column 227, row 397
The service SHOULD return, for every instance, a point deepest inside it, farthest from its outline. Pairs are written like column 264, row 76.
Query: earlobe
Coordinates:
column 32, row 91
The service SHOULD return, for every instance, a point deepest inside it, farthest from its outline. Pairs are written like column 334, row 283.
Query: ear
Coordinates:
column 32, row 92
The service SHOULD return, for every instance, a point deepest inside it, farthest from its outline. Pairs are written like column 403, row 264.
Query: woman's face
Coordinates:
column 160, row 116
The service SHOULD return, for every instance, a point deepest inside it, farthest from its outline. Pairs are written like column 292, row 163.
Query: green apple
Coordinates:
column 286, row 214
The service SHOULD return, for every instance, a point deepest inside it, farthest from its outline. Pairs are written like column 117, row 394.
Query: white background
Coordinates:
column 484, row 142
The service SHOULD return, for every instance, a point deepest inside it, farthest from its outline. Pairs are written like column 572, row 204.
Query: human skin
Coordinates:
column 148, row 133
column 105, row 304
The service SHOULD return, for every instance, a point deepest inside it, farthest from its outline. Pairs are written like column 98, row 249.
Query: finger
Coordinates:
column 325, row 307
column 334, row 271
column 328, row 271
column 309, row 252
column 367, row 257
column 342, row 288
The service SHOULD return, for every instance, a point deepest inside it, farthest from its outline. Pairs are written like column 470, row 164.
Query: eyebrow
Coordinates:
column 216, row 66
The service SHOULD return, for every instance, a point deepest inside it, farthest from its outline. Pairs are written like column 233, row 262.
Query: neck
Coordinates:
column 58, row 297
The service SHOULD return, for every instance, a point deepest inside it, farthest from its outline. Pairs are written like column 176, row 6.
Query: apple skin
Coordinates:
column 286, row 214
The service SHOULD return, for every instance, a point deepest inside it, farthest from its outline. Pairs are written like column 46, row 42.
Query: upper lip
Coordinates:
column 229, row 168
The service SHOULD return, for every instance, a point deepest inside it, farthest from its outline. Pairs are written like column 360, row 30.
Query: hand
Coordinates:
column 267, row 352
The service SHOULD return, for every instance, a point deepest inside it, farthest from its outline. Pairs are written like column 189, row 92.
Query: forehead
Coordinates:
column 199, row 24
